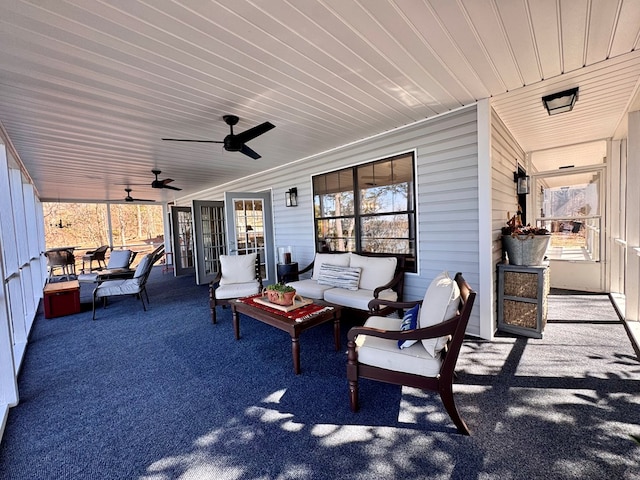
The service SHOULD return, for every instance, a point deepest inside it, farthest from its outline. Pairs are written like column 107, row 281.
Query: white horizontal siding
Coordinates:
column 447, row 192
column 505, row 153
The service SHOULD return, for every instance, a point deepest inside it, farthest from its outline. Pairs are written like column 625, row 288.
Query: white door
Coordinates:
column 250, row 229
column 570, row 206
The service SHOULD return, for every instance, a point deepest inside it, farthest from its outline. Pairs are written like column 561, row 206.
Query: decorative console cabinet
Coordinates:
column 522, row 299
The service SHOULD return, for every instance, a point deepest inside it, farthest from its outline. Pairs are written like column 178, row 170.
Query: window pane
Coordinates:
column 387, row 234
column 570, row 195
column 384, row 199
column 338, row 234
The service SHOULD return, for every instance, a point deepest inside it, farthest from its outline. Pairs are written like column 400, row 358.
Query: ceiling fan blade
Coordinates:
column 188, row 140
column 247, row 151
column 254, row 132
column 170, row 187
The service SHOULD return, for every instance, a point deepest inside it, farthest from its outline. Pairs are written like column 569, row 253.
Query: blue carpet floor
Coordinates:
column 164, row 394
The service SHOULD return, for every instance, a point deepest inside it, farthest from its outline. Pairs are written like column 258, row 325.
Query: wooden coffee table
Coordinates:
column 293, row 327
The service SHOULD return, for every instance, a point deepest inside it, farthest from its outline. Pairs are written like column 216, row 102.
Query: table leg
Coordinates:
column 295, row 353
column 236, row 322
column 336, row 331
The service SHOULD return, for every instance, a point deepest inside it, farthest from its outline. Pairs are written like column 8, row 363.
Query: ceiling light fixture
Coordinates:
column 560, row 102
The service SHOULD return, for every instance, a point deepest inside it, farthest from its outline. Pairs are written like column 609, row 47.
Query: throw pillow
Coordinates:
column 440, row 303
column 341, row 259
column 409, row 322
column 337, row 276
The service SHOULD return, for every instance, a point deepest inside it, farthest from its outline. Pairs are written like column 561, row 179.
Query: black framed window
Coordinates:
column 368, row 208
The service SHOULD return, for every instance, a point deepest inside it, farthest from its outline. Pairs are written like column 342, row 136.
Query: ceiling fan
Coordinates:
column 162, row 183
column 233, row 142
column 157, row 183
column 129, row 198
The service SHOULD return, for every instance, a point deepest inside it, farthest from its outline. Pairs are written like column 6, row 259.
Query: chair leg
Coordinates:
column 214, row 320
column 446, row 394
column 352, row 375
column 353, row 395
column 94, row 305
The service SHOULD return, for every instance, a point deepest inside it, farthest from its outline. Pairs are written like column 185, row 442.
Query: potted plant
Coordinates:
column 280, row 294
column 524, row 245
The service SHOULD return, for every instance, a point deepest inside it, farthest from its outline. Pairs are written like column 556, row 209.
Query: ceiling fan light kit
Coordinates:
column 235, row 142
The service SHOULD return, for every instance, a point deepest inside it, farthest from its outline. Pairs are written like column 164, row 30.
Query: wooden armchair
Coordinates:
column 239, row 276
column 428, row 358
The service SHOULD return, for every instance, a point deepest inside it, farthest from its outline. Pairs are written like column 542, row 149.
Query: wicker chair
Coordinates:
column 97, row 255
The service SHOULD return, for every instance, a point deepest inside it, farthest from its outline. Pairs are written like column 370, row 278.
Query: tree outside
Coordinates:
column 85, row 226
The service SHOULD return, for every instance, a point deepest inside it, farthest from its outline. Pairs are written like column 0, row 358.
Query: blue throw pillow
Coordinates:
column 409, row 322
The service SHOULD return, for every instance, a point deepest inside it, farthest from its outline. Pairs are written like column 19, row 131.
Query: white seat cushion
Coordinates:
column 88, row 278
column 384, row 353
column 118, row 287
column 440, row 303
column 375, row 271
column 238, row 268
column 358, row 299
column 310, row 288
column 237, row 290
column 339, row 259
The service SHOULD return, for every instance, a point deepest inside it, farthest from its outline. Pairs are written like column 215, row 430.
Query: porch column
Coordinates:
column 632, row 278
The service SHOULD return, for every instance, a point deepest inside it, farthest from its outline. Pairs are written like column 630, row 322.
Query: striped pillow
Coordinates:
column 341, row 277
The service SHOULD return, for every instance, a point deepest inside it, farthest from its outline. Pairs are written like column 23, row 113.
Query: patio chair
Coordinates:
column 420, row 350
column 132, row 286
column 64, row 260
column 239, row 276
column 118, row 266
column 97, row 255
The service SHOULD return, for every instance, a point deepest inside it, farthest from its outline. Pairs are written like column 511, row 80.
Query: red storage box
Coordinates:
column 61, row 298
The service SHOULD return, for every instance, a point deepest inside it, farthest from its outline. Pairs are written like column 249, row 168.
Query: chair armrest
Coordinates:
column 216, row 281
column 435, row 331
column 376, row 303
column 399, row 277
column 305, row 269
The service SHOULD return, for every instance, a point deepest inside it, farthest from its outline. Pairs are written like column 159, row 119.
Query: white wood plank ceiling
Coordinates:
column 89, row 88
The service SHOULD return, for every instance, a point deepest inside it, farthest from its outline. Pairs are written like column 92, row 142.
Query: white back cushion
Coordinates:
column 238, row 268
column 440, row 303
column 339, row 259
column 142, row 266
column 374, row 271
column 119, row 259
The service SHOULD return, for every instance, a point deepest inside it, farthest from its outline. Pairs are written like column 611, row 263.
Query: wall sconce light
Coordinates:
column 560, row 102
column 291, row 197
column 523, row 183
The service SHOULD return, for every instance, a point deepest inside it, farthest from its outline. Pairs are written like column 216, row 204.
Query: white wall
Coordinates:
column 505, row 153
column 447, row 192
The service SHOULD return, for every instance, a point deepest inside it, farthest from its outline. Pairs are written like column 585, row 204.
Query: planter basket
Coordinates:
column 525, row 249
